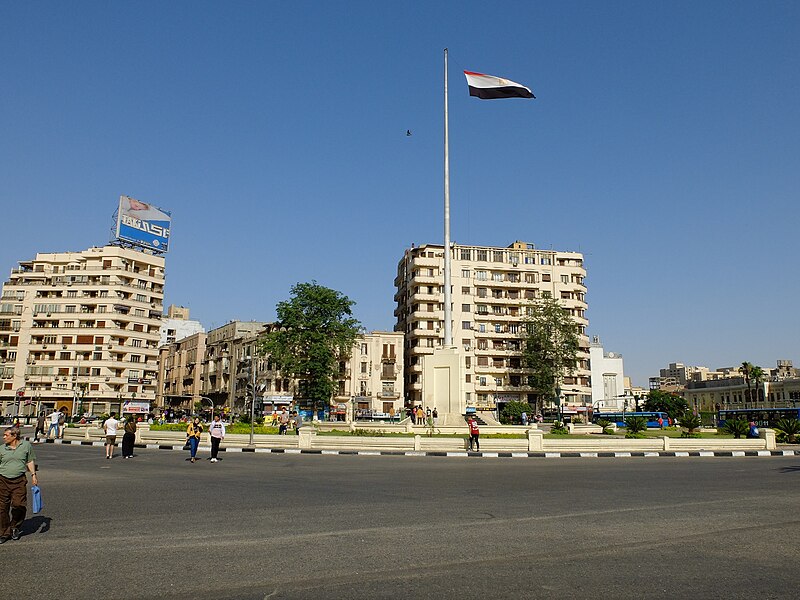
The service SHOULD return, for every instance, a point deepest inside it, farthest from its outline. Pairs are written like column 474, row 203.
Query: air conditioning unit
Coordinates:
column 64, row 347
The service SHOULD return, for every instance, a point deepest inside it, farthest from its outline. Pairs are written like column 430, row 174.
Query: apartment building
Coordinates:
column 371, row 380
column 492, row 288
column 79, row 331
column 223, row 369
column 180, row 373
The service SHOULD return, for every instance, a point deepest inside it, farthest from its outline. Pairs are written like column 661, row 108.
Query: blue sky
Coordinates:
column 663, row 144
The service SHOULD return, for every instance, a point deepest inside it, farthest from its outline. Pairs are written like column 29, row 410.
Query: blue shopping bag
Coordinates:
column 37, row 498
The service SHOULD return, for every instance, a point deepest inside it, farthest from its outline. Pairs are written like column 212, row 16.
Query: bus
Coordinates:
column 619, row 417
column 763, row 417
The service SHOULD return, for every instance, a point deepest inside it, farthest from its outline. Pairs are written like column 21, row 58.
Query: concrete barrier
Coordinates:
column 534, row 442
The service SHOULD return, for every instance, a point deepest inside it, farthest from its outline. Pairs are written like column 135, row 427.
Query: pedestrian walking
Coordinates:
column 129, row 437
column 62, row 424
column 435, row 417
column 298, row 421
column 284, row 421
column 40, row 425
column 16, row 459
column 524, row 417
column 193, row 433
column 474, row 435
column 110, row 427
column 217, row 431
column 54, row 416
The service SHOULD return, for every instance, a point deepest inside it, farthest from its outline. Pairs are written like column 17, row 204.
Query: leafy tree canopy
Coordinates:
column 672, row 404
column 315, row 330
column 551, row 345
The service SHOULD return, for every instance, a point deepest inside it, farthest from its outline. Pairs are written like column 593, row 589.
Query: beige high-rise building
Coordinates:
column 80, row 331
column 491, row 290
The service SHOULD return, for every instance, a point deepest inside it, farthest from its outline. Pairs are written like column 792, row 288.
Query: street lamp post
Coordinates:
column 253, row 401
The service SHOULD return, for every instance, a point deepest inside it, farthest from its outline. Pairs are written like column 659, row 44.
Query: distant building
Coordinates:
column 607, row 377
column 176, row 325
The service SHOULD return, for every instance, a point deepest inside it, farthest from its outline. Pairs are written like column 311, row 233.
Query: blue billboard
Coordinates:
column 143, row 224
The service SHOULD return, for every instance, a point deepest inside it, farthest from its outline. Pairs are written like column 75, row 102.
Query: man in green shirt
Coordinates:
column 16, row 458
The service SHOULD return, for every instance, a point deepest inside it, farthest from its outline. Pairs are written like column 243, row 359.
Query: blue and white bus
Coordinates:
column 763, row 417
column 619, row 417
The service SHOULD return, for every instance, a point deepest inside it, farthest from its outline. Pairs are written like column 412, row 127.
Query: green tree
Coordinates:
column 512, row 412
column 757, row 375
column 551, row 346
column 673, row 404
column 315, row 330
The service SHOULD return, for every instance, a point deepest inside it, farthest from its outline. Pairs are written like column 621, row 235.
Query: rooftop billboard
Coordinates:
column 143, row 224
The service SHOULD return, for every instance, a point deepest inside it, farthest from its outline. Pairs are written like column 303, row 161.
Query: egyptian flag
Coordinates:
column 489, row 87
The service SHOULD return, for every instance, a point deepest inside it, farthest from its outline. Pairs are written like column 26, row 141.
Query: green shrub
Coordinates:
column 606, row 425
column 787, row 430
column 559, row 428
column 635, row 425
column 737, row 427
column 690, row 422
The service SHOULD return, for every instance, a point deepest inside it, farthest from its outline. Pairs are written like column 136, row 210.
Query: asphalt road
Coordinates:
column 318, row 526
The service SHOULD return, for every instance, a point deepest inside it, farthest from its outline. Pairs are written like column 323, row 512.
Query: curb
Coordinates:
column 456, row 454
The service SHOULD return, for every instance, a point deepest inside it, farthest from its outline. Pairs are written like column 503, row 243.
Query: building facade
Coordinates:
column 492, row 288
column 607, row 378
column 79, row 331
column 179, row 373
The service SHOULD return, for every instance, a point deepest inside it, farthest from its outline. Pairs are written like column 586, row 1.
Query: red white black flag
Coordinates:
column 489, row 87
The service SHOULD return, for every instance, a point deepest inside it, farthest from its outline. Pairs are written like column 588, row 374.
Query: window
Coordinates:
column 136, row 358
column 364, row 367
column 466, row 307
column 482, row 381
column 466, row 324
column 387, row 388
column 497, row 256
column 480, row 275
column 69, row 323
column 96, row 372
column 483, row 309
column 70, row 308
column 138, row 312
column 364, row 349
column 141, row 298
column 498, row 328
column 465, row 273
column 546, row 260
column 497, row 276
column 482, row 328
column 466, row 254
column 565, row 279
column 103, row 294
column 64, row 355
column 481, row 255
column 136, row 343
column 498, row 382
column 468, row 378
column 482, row 292
column 465, row 289
column 483, row 361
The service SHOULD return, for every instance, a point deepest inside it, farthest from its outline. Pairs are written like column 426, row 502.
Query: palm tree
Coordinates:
column 757, row 375
column 745, row 370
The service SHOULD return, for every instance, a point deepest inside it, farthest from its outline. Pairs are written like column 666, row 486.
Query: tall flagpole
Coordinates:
column 448, row 310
